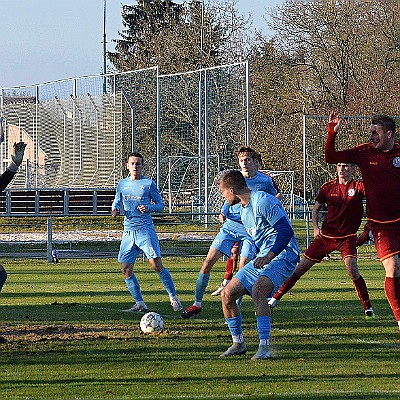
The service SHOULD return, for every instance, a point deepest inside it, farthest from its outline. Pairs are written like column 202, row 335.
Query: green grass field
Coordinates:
column 63, row 336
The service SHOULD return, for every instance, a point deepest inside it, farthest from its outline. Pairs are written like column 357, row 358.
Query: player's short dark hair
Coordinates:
column 385, row 121
column 135, row 154
column 232, row 179
column 258, row 157
column 246, row 149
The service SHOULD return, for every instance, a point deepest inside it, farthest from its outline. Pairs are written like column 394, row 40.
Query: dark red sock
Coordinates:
column 230, row 268
column 286, row 286
column 392, row 290
column 362, row 292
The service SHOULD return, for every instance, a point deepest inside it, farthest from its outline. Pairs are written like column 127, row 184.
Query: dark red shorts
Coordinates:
column 322, row 246
column 386, row 239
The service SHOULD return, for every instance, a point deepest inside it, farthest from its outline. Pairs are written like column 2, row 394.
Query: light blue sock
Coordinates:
column 264, row 327
column 239, row 301
column 201, row 284
column 3, row 278
column 167, row 281
column 134, row 288
column 235, row 325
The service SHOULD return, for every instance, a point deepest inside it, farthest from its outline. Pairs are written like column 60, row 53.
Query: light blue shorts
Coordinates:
column 278, row 270
column 133, row 242
column 225, row 240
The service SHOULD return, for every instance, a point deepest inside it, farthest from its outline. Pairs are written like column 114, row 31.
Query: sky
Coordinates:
column 46, row 40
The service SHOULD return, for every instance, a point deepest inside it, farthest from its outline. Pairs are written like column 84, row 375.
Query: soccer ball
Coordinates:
column 152, row 323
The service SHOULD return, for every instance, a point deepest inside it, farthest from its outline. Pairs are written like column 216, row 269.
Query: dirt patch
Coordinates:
column 37, row 333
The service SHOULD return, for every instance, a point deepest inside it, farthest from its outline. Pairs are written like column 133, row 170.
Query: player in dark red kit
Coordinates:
column 344, row 199
column 379, row 162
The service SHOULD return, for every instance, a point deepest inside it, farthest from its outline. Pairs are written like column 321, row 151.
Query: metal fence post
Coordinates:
column 49, row 239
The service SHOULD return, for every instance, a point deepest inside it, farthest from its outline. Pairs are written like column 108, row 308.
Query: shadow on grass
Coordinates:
column 249, row 384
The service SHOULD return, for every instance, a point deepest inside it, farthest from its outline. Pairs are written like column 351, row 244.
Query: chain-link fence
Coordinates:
column 79, row 131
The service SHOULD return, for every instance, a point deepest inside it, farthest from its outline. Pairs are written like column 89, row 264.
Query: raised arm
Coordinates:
column 17, row 156
column 331, row 155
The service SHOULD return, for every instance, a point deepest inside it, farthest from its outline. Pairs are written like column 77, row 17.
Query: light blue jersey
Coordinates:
column 133, row 193
column 262, row 183
column 259, row 182
column 259, row 218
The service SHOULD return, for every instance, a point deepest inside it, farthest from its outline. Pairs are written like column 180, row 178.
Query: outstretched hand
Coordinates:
column 18, row 153
column 334, row 118
column 259, row 262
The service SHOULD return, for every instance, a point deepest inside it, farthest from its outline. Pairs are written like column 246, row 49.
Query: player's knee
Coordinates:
column 303, row 267
column 156, row 264
column 158, row 268
column 126, row 270
column 257, row 293
column 227, row 297
column 224, row 297
column 261, row 290
column 352, row 269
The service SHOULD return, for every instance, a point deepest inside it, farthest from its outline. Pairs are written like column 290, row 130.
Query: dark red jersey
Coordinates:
column 380, row 172
column 345, row 207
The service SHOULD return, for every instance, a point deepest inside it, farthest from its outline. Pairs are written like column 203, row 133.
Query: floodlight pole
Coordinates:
column 201, row 155
column 104, row 47
column 201, row 34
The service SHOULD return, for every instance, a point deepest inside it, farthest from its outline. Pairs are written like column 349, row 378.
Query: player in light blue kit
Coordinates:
column 232, row 230
column 268, row 224
column 139, row 196
column 255, row 181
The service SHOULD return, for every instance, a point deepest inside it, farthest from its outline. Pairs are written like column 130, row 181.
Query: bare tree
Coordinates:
column 334, row 44
column 324, row 54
